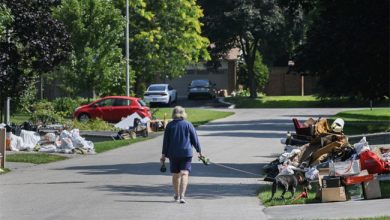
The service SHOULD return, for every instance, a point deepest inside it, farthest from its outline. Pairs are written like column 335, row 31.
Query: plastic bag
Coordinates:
column 312, row 173
column 361, row 146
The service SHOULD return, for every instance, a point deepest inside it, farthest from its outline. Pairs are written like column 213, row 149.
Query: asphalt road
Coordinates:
column 199, row 103
column 126, row 183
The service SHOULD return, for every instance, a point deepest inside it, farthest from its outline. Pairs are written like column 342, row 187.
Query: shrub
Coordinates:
column 97, row 125
column 43, row 113
column 65, row 106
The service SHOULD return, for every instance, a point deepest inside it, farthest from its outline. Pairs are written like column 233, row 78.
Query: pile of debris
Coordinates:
column 321, row 153
column 48, row 139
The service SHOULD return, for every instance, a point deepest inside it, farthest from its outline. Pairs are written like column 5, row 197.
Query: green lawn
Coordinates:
column 196, row 116
column 264, row 193
column 19, row 118
column 295, row 102
column 365, row 121
column 109, row 145
column 35, row 158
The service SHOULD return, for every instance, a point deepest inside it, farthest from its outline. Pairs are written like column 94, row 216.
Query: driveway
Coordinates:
column 201, row 103
column 126, row 183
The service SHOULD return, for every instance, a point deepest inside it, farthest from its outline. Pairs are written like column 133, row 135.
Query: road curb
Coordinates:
column 222, row 100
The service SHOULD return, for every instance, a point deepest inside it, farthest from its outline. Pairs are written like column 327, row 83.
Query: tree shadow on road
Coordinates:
column 245, row 134
column 257, row 125
column 226, row 170
column 195, row 190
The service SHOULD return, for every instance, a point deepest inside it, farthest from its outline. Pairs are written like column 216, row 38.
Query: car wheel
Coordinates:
column 84, row 117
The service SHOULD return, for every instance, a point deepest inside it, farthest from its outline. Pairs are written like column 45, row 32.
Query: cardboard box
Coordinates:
column 372, row 189
column 331, row 181
column 336, row 194
column 323, row 171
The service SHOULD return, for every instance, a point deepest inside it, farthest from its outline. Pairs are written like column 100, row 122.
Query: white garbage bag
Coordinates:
column 30, row 139
column 16, row 143
column 48, row 148
column 66, row 143
column 79, row 141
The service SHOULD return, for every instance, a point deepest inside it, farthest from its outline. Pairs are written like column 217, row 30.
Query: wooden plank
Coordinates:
column 2, row 147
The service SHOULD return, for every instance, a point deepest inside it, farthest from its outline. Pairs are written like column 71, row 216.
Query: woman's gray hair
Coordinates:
column 179, row 113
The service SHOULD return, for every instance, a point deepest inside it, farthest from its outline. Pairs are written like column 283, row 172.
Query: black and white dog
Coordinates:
column 289, row 183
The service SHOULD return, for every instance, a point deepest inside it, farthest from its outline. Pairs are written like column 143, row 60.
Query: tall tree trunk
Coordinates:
column 93, row 93
column 251, row 73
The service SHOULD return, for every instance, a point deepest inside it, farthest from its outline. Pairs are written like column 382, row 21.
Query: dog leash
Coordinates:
column 206, row 161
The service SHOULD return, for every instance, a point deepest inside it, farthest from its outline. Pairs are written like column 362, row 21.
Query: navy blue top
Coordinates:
column 179, row 137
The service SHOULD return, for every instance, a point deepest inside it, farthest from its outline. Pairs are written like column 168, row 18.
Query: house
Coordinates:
column 225, row 77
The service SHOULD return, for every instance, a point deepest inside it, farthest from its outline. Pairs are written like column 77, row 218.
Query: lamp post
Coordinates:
column 127, row 50
column 290, row 65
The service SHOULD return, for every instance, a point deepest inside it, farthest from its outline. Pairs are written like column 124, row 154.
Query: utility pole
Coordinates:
column 127, row 50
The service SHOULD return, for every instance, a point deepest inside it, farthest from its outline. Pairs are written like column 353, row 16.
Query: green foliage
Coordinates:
column 251, row 25
column 92, row 125
column 347, row 45
column 165, row 36
column 28, row 98
column 35, row 158
column 5, row 18
column 43, row 113
column 35, row 44
column 96, row 30
column 260, row 71
column 65, row 106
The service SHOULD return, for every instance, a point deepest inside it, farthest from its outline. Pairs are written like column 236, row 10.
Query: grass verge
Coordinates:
column 195, row 116
column 365, row 121
column 265, row 191
column 110, row 145
column 35, row 158
column 296, row 102
column 4, row 170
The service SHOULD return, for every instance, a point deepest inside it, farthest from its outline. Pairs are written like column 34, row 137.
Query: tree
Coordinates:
column 246, row 24
column 33, row 43
column 96, row 29
column 165, row 36
column 260, row 71
column 5, row 18
column 348, row 47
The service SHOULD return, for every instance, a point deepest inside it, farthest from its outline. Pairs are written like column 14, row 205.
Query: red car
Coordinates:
column 112, row 109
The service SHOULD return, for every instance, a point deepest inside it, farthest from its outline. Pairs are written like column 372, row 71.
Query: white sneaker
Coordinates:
column 176, row 198
column 182, row 200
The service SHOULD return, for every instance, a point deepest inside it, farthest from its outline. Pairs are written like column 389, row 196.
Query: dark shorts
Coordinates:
column 180, row 163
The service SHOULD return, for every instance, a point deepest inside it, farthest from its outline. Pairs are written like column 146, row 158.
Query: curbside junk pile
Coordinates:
column 322, row 155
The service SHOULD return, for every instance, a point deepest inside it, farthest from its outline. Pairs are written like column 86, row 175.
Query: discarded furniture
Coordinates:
column 301, row 129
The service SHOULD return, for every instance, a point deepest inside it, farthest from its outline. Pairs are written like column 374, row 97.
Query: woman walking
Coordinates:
column 179, row 138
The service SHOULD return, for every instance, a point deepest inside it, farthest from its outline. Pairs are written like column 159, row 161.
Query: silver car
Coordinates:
column 160, row 94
